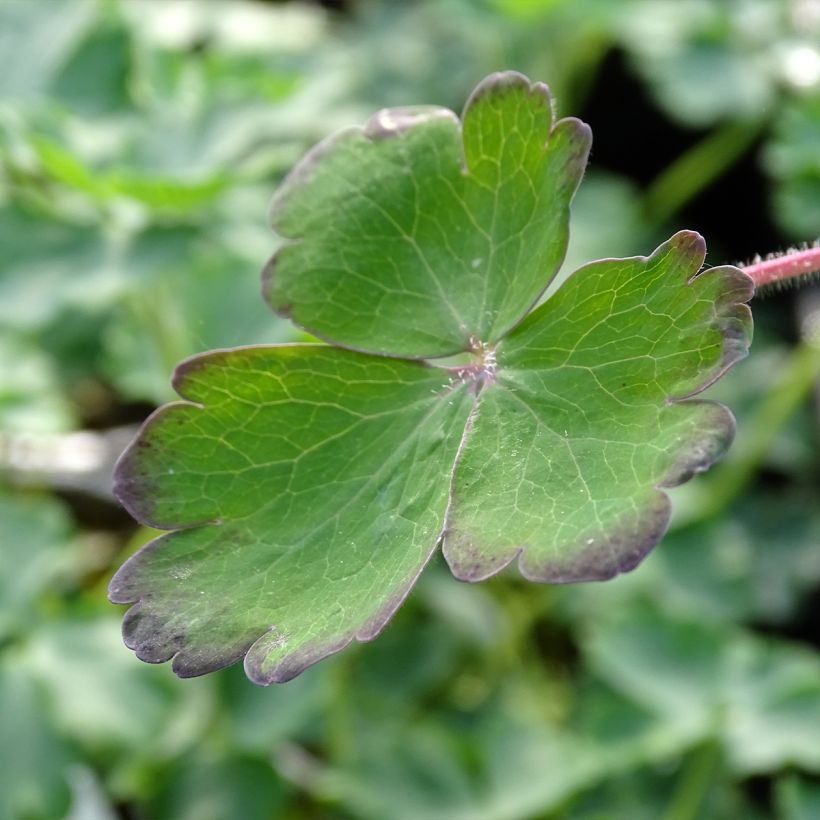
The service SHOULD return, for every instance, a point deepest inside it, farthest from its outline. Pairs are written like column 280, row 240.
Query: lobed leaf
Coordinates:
column 760, row 699
column 308, row 485
column 414, row 239
column 584, row 421
column 311, row 483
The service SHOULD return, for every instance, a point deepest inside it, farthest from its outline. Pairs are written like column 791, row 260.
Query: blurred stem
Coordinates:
column 795, row 383
column 340, row 726
column 697, row 168
column 582, row 70
column 690, row 790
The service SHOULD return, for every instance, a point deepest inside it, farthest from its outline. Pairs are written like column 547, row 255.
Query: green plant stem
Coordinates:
column 795, row 383
column 690, row 790
column 697, row 168
column 341, row 732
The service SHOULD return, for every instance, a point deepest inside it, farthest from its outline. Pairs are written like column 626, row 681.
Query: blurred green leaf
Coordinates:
column 756, row 565
column 36, row 40
column 502, row 764
column 161, row 193
column 31, row 397
column 35, row 531
column 793, row 161
column 497, row 770
column 214, row 787
column 761, row 699
column 606, row 221
column 672, row 667
column 94, row 79
column 797, row 798
column 184, row 295
column 261, row 720
column 49, row 265
column 98, row 700
column 772, row 694
column 705, row 61
column 33, row 758
column 651, row 793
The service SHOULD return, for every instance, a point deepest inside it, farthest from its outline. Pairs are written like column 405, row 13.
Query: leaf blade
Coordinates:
column 586, row 420
column 408, row 239
column 267, row 579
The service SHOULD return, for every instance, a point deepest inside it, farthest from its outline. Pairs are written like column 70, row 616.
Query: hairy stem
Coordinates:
column 786, row 266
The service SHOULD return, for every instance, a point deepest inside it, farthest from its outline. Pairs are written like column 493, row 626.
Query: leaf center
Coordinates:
column 482, row 369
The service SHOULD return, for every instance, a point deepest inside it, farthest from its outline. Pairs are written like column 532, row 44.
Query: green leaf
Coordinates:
column 100, row 702
column 157, row 190
column 703, row 61
column 506, row 761
column 498, row 768
column 263, row 719
column 606, row 221
column 184, row 298
column 94, row 81
column 774, row 694
column 30, row 397
column 309, row 485
column 36, row 41
column 417, row 240
column 670, row 666
column 322, row 477
column 757, row 566
column 792, row 161
column 33, row 768
column 762, row 699
column 583, row 422
column 212, row 787
column 49, row 266
column 36, row 533
column 797, row 798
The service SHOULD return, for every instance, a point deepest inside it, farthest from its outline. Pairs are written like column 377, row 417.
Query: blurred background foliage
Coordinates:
column 140, row 142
